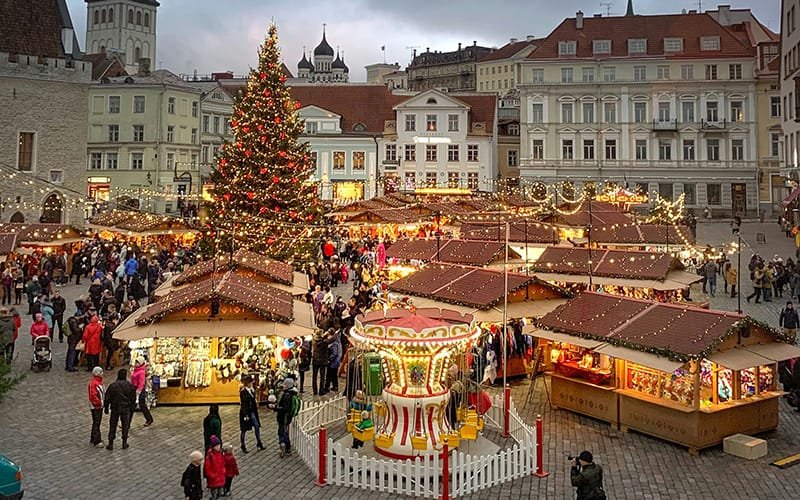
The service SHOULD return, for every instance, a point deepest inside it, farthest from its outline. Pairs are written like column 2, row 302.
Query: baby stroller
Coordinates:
column 42, row 355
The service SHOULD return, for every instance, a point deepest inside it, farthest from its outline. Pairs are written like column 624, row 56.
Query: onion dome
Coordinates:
column 338, row 63
column 305, row 63
column 323, row 49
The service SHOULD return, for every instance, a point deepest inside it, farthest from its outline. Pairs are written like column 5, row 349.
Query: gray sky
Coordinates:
column 213, row 35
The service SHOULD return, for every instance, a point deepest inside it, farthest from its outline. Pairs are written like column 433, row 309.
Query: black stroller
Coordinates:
column 42, row 354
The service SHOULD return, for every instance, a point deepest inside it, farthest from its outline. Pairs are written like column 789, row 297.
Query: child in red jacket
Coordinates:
column 231, row 468
column 214, row 468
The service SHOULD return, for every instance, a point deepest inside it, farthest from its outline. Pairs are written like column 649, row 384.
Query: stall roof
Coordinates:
column 676, row 280
column 391, row 216
column 494, row 314
column 8, row 242
column 519, row 231
column 139, row 222
column 602, row 214
column 33, row 234
column 561, row 337
column 643, row 358
column 621, row 264
column 271, row 269
column 738, row 359
column 477, row 253
column 776, row 351
column 642, row 234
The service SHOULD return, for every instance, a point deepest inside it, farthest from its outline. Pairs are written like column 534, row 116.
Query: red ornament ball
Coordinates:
column 297, row 105
column 263, row 139
column 247, row 153
column 226, row 196
column 276, row 179
column 270, row 241
column 263, row 170
column 263, row 76
column 286, row 354
column 266, row 93
column 251, row 194
column 277, row 119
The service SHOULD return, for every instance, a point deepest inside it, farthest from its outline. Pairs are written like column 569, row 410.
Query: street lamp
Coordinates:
column 739, row 271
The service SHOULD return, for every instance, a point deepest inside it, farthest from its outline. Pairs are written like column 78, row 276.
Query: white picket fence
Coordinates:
column 307, row 423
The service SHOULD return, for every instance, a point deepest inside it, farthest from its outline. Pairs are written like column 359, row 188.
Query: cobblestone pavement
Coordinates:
column 44, row 426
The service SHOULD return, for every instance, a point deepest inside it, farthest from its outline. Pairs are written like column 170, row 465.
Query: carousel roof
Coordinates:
column 477, row 253
column 276, row 271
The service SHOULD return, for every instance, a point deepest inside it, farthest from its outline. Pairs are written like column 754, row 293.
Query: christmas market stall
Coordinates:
column 572, row 220
column 8, row 242
column 144, row 229
column 685, row 374
column 406, row 255
column 527, row 238
column 645, row 237
column 45, row 238
column 644, row 275
column 391, row 223
column 480, row 293
column 200, row 339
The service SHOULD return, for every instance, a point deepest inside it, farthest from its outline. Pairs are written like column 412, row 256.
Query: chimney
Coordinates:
column 144, row 67
column 67, row 36
column 598, row 15
column 474, row 43
column 724, row 15
column 427, row 49
column 530, row 38
column 579, row 20
column 415, row 53
column 459, row 46
column 512, row 40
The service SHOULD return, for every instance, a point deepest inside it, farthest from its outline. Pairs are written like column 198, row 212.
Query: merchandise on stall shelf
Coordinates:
column 168, row 360
column 198, row 363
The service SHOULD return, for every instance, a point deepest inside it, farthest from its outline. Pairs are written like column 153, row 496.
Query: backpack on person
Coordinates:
column 297, row 404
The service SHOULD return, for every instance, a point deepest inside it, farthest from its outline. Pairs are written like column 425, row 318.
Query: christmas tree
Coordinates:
column 262, row 197
column 665, row 211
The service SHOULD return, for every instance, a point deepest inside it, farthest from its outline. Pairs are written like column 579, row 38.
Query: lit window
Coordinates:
column 338, row 160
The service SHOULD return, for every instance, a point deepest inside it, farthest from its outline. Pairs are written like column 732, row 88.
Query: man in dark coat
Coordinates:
column 319, row 363
column 587, row 477
column 121, row 399
column 59, row 306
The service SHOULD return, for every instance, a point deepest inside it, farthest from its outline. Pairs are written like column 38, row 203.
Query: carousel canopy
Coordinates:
column 476, row 253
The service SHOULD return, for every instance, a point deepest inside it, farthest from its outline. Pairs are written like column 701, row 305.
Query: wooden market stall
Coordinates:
column 645, row 237
column 644, row 275
column 449, row 250
column 201, row 338
column 688, row 375
column 143, row 228
column 527, row 238
column 45, row 237
column 572, row 221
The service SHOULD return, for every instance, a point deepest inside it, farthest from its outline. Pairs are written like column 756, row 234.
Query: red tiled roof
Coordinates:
column 104, row 66
column 519, row 231
column 31, row 27
column 608, row 263
column 619, row 29
column 642, row 234
column 482, row 108
column 509, row 50
column 370, row 105
column 476, row 253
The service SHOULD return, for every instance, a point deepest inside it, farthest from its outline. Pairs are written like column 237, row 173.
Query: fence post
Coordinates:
column 506, row 411
column 322, row 462
column 540, row 448
column 445, row 470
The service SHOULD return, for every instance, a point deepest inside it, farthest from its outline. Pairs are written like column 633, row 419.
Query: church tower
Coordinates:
column 127, row 27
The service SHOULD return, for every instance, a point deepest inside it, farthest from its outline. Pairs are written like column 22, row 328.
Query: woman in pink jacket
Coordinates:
column 39, row 327
column 139, row 380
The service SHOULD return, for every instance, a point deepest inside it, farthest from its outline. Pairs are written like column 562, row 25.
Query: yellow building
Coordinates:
column 497, row 71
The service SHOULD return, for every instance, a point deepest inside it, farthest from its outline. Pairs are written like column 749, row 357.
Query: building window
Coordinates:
column 567, row 48
column 662, row 72
column 431, row 152
column 96, row 161
column 147, row 19
column 566, row 149
column 56, row 176
column 472, row 152
column 112, row 161
column 712, row 149
column 537, row 75
column 774, row 144
column 665, row 191
column 411, row 123
column 453, row 153
column 714, row 194
column 735, row 71
column 611, row 149
column 709, row 43
column 690, row 194
column 609, row 74
column 610, row 112
column 513, row 157
column 513, row 129
column 566, row 75
column 338, row 160
column 566, row 112
column 206, row 121
column 588, row 149
column 641, row 149
column 311, row 128
column 97, row 16
column 775, row 106
column 588, row 74
column 113, row 104
column 170, row 133
column 410, row 179
column 688, row 149
column 472, row 180
column 711, row 71
column 687, row 111
column 26, row 144
column 216, row 124
column 640, row 112
column 537, row 149
column 138, row 133
column 171, row 105
column 712, row 111
column 430, row 179
column 673, row 45
column 537, row 113
column 665, row 150
column 737, row 149
column 195, row 109
column 137, row 160
column 410, row 152
column 194, row 136
column 359, row 160
column 430, row 123
column 390, row 152
column 639, row 73
column 588, row 112
column 687, row 72
column 312, row 160
column 637, row 46
column 601, row 46
column 737, row 114
column 664, row 112
column 452, row 123
column 170, row 161
column 453, row 180
column 138, row 104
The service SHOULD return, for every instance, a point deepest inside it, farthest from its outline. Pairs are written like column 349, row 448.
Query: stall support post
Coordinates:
column 445, row 471
column 321, row 465
column 540, row 448
column 506, row 411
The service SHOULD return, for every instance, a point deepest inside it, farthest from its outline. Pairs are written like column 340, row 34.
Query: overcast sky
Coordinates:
column 213, row 35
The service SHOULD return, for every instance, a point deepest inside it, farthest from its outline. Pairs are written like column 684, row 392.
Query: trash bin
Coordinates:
column 373, row 374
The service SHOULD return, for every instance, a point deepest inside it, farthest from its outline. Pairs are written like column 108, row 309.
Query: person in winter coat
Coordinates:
column 7, row 339
column 110, row 321
column 47, row 312
column 92, row 336
column 731, row 277
column 59, row 307
column 32, row 290
column 120, row 399
column 97, row 393
column 334, row 361
column 131, row 267
column 285, row 414
column 96, row 293
column 248, row 413
column 212, row 425
column 319, row 364
column 305, row 362
column 74, row 335
column 214, row 468
column 789, row 320
column 231, row 468
column 587, row 477
column 39, row 328
column 139, row 380
column 192, row 479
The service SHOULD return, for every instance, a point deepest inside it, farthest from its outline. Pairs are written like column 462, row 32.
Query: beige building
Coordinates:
column 387, row 74
column 125, row 27
column 450, row 71
column 216, row 105
column 790, row 97
column 497, row 70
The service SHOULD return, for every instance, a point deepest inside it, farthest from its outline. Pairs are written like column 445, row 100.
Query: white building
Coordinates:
column 663, row 103
column 127, row 27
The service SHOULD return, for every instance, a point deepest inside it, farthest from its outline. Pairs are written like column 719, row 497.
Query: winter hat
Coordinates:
column 139, row 362
column 214, row 441
column 288, row 383
column 586, row 456
column 97, row 371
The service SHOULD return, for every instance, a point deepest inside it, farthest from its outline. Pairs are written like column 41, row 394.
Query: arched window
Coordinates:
column 139, row 18
column 147, row 19
column 137, row 54
column 102, row 49
column 103, row 16
column 97, row 17
column 130, row 16
column 18, row 217
column 111, row 16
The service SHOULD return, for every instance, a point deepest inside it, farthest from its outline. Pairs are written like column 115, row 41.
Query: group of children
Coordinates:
column 219, row 469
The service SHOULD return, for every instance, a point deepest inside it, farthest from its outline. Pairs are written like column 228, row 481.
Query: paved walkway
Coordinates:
column 44, row 425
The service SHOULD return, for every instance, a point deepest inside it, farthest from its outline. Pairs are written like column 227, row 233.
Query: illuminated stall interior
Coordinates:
column 405, row 255
column 27, row 238
column 143, row 228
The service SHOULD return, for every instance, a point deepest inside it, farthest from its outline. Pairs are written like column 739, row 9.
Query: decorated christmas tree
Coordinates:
column 262, row 197
column 665, row 211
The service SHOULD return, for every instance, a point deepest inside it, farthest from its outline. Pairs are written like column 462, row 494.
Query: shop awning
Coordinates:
column 775, row 351
column 561, row 337
column 738, row 359
column 792, row 196
column 643, row 358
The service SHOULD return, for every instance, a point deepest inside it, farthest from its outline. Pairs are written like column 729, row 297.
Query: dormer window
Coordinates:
column 601, row 47
column 673, row 45
column 637, row 46
column 567, row 48
column 709, row 43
